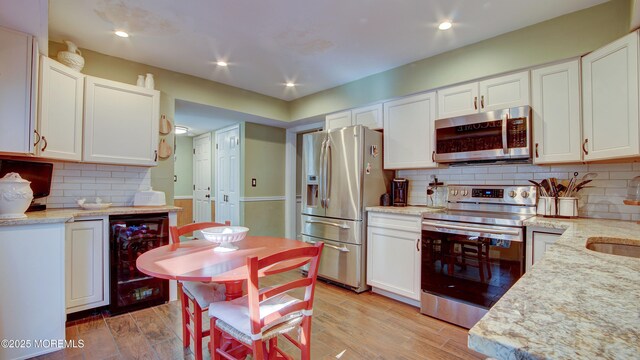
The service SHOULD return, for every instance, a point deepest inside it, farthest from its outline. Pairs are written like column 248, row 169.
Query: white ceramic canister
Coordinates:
column 15, row 196
column 140, row 81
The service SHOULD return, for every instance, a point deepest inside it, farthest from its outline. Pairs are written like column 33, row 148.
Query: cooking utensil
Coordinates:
column 164, row 150
column 546, row 186
column 543, row 192
column 165, row 125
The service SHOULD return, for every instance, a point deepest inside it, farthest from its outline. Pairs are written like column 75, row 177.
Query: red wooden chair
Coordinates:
column 256, row 319
column 200, row 295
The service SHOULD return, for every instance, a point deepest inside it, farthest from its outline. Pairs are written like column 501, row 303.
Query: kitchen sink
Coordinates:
column 615, row 246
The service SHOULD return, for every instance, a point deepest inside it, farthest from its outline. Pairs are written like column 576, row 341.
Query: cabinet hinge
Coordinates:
column 194, row 186
column 216, row 146
column 194, row 151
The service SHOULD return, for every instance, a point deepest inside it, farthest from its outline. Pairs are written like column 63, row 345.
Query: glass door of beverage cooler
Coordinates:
column 131, row 236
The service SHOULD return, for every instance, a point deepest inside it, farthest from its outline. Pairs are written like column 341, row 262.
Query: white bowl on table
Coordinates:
column 225, row 236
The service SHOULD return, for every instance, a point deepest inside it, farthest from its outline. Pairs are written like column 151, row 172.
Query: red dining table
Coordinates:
column 195, row 260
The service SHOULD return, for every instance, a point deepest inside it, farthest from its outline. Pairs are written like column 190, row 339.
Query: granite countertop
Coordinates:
column 405, row 210
column 68, row 215
column 573, row 304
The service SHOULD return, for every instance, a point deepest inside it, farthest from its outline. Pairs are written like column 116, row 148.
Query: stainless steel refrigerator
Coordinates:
column 342, row 174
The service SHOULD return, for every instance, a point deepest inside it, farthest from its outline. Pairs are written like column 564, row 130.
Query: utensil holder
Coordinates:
column 557, row 207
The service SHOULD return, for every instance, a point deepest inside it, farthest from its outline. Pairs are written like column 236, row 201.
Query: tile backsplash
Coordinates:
column 112, row 183
column 603, row 200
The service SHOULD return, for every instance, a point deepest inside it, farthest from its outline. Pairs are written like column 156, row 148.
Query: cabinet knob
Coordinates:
column 475, row 102
column 482, row 101
column 537, row 155
column 45, row 143
column 418, row 244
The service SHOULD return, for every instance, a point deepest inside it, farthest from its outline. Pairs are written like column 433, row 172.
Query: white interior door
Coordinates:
column 202, row 178
column 228, row 175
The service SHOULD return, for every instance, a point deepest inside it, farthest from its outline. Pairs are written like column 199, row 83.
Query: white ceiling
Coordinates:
column 316, row 44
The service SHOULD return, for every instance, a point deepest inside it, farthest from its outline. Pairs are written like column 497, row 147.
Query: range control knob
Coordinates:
column 454, row 192
column 524, row 194
column 513, row 193
column 465, row 192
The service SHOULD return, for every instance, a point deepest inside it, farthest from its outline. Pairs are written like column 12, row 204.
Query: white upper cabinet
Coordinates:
column 369, row 116
column 18, row 73
column 491, row 94
column 338, row 120
column 458, row 100
column 504, row 92
column 120, row 123
column 610, row 100
column 59, row 111
column 409, row 132
column 555, row 98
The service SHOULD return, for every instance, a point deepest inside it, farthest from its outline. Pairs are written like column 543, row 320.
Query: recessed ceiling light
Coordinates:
column 445, row 25
column 121, row 33
column 181, row 129
column 221, row 63
column 290, row 84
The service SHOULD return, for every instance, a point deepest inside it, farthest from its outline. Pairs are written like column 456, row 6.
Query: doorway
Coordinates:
column 202, row 178
column 228, row 175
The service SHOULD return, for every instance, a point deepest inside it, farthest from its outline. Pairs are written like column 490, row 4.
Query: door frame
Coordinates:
column 240, row 172
column 194, row 162
column 290, row 175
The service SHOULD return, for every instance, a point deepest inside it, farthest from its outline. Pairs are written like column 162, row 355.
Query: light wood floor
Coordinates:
column 345, row 325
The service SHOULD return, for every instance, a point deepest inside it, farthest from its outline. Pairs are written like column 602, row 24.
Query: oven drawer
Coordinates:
column 347, row 231
column 339, row 262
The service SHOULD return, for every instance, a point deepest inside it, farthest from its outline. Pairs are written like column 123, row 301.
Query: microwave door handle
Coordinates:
column 505, row 145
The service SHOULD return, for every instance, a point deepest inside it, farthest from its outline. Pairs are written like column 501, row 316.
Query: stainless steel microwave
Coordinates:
column 494, row 135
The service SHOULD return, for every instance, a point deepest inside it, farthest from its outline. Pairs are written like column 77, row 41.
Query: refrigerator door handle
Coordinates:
column 341, row 226
column 329, row 163
column 341, row 249
column 322, row 173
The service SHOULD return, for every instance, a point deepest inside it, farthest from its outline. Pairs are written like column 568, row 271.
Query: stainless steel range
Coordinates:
column 475, row 251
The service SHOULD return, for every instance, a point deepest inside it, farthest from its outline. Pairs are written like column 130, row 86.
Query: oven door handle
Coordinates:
column 444, row 227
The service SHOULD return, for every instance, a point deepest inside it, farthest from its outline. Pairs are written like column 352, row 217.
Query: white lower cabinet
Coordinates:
column 32, row 283
column 86, row 265
column 538, row 241
column 393, row 255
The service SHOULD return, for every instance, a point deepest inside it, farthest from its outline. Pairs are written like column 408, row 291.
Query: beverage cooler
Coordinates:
column 131, row 236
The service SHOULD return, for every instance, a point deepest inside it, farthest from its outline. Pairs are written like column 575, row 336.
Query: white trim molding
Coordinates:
column 262, row 198
column 183, row 197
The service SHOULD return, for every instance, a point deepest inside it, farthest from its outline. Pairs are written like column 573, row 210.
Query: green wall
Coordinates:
column 563, row 37
column 183, row 166
column 263, row 158
column 264, row 149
